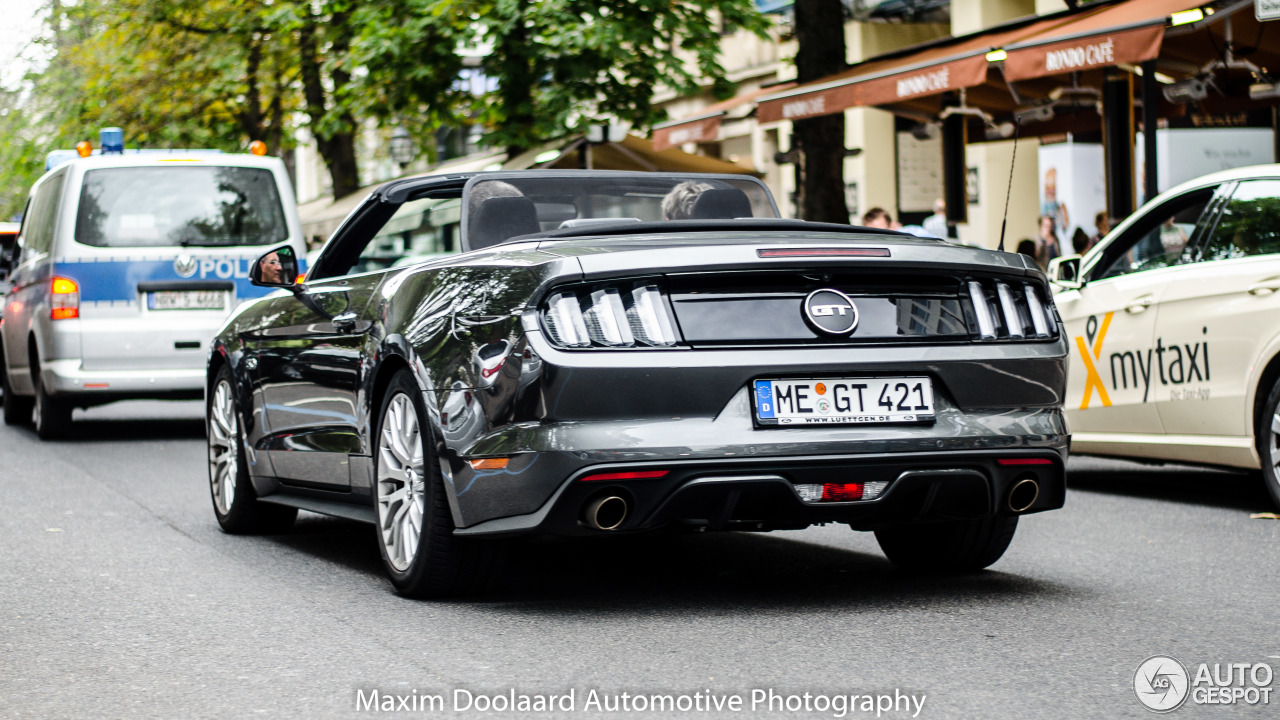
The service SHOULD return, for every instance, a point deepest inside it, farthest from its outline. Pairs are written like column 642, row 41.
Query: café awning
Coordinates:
column 1130, row 32
column 1095, row 36
column 705, row 125
column 932, row 69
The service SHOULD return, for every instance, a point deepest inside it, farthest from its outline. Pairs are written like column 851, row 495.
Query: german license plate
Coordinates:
column 843, row 401
column 186, row 300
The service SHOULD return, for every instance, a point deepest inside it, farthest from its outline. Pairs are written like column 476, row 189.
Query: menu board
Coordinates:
column 919, row 173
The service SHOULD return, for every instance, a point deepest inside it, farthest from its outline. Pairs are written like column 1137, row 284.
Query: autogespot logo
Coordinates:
column 831, row 312
column 1161, row 683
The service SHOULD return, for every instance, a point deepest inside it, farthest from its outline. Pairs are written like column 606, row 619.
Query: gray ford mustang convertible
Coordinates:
column 478, row 357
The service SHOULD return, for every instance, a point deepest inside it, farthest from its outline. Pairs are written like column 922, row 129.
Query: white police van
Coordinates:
column 126, row 264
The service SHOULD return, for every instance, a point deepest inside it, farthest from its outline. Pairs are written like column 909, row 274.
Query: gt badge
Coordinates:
column 831, row 312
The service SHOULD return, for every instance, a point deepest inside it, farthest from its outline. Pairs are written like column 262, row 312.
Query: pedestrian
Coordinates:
column 1047, row 247
column 877, row 217
column 1079, row 241
column 936, row 224
column 1027, row 246
column 1103, row 223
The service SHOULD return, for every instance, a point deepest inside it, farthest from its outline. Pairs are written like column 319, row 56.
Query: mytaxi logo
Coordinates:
column 1175, row 363
column 1092, row 379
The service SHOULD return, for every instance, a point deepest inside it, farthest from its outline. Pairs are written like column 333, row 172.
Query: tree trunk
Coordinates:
column 516, row 89
column 820, row 165
column 338, row 148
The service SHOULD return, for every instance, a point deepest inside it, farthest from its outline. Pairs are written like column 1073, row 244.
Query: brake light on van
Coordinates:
column 65, row 301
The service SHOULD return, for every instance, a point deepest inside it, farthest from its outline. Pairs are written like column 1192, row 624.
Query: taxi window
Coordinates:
column 1250, row 222
column 1159, row 239
column 211, row 206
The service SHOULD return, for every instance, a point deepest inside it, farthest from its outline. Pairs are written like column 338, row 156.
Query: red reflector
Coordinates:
column 824, row 252
column 638, row 475
column 69, row 313
column 1024, row 461
column 96, row 385
column 841, row 492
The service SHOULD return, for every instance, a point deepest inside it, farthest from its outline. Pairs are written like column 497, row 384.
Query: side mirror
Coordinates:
column 1065, row 272
column 276, row 268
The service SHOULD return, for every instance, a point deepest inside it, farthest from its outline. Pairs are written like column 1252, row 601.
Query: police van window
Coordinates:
column 1250, row 222
column 1162, row 238
column 38, row 235
column 188, row 206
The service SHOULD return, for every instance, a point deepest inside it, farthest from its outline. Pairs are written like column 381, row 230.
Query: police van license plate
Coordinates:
column 187, row 300
column 836, row 401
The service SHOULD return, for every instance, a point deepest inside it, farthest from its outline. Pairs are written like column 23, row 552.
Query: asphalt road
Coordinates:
column 120, row 598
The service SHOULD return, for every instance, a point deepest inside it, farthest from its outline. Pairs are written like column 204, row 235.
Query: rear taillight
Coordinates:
column 1010, row 310
column 622, row 315
column 841, row 492
column 65, row 301
column 631, row 475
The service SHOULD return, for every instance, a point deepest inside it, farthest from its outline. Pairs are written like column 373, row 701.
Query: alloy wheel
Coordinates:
column 1273, row 448
column 224, row 447
column 401, row 482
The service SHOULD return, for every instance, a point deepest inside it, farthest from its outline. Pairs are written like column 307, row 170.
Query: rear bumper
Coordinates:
column 760, row 494
column 67, row 378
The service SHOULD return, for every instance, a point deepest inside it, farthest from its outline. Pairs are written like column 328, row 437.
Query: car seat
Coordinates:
column 499, row 219
column 721, row 204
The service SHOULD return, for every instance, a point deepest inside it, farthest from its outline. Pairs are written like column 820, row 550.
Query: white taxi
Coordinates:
column 1173, row 321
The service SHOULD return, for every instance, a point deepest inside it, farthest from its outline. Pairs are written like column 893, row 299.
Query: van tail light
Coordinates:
column 65, row 301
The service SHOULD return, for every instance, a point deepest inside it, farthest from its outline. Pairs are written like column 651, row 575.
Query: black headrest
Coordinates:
column 502, row 218
column 721, row 204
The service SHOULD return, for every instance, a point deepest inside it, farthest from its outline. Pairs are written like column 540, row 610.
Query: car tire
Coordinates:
column 1268, row 439
column 52, row 414
column 415, row 527
column 235, row 503
column 954, row 546
column 17, row 409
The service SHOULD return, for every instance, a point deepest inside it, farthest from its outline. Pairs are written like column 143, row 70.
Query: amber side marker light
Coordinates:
column 823, row 252
column 489, row 463
column 300, row 279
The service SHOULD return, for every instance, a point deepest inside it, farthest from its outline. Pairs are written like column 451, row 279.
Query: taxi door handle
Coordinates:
column 1266, row 287
column 1139, row 305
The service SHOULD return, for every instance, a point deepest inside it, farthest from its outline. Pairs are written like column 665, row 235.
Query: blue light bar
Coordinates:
column 111, row 140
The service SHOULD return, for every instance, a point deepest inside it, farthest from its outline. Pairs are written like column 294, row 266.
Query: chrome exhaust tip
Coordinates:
column 1023, row 494
column 606, row 513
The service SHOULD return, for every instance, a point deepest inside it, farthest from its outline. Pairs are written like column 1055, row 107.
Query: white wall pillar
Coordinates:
column 970, row 16
column 992, row 161
column 875, row 170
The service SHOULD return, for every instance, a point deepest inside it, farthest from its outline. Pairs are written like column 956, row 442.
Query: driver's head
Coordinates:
column 271, row 269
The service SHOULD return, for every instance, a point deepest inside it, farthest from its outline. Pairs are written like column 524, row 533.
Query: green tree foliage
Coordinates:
column 557, row 65
column 21, row 154
column 219, row 73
